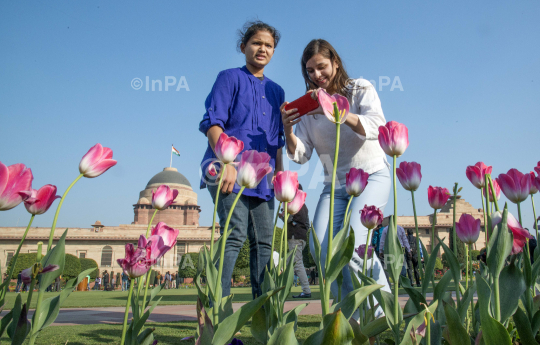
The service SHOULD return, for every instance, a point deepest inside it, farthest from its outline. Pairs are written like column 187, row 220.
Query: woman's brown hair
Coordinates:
column 341, row 82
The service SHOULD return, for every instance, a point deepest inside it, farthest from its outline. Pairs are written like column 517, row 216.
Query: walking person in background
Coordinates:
column 19, row 282
column 413, row 262
column 57, row 284
column 403, row 240
column 156, row 278
column 124, row 281
column 105, row 281
column 97, row 283
column 177, row 280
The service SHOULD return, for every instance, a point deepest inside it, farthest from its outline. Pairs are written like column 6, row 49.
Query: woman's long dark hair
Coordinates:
column 341, row 82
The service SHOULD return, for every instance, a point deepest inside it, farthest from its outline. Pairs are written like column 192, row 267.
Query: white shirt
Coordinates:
column 355, row 150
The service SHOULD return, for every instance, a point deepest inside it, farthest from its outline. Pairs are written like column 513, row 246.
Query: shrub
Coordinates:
column 438, row 264
column 87, row 263
column 24, row 261
column 188, row 265
column 474, row 254
column 72, row 267
column 241, row 267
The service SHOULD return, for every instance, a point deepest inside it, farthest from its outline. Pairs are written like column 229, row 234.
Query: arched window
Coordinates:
column 106, row 256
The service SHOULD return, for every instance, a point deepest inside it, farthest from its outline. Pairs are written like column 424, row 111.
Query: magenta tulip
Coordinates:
column 535, row 183
column 371, row 216
column 537, row 168
column 520, row 234
column 410, row 175
column 168, row 234
column 13, row 179
column 361, row 250
column 356, row 181
column 497, row 188
column 212, row 170
column 96, row 161
column 515, row 185
column 327, row 104
column 163, row 197
column 137, row 261
column 285, row 185
column 476, row 174
column 162, row 239
column 227, row 148
column 294, row 206
column 253, row 167
column 468, row 228
column 34, row 270
column 39, row 201
column 394, row 138
column 437, row 197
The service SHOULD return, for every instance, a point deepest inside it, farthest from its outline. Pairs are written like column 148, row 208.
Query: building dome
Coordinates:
column 168, row 176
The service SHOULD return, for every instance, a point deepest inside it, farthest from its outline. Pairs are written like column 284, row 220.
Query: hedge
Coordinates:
column 87, row 263
column 24, row 261
column 72, row 267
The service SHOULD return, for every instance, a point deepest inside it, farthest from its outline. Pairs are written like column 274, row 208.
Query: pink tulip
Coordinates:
column 410, row 175
column 13, row 179
column 137, row 261
column 39, row 201
column 356, row 181
column 167, row 233
column 515, row 185
column 327, row 104
column 163, row 197
column 437, row 197
column 476, row 174
column 520, row 234
column 537, row 168
column 212, row 170
column 361, row 250
column 468, row 228
column 535, row 183
column 285, row 185
column 253, row 167
column 371, row 216
column 394, row 138
column 294, row 206
column 27, row 274
column 227, row 148
column 497, row 188
column 96, row 161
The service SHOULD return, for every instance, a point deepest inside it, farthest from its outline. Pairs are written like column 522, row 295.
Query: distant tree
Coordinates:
column 188, row 265
column 72, row 267
column 87, row 263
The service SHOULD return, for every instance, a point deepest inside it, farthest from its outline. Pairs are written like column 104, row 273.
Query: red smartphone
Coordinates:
column 304, row 104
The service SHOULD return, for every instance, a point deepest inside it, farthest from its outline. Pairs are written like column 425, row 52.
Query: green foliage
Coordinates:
column 460, row 248
column 438, row 264
column 241, row 267
column 188, row 265
column 306, row 254
column 72, row 267
column 277, row 240
column 474, row 254
column 89, row 263
column 24, row 261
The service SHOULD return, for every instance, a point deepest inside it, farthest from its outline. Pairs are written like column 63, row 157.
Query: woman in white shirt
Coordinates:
column 359, row 148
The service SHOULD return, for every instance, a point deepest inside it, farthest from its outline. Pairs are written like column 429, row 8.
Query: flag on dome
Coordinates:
column 175, row 151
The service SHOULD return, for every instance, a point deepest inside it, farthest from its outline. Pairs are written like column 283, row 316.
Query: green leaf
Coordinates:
column 375, row 327
column 336, row 331
column 499, row 245
column 524, row 328
column 493, row 332
column 5, row 322
column 228, row 327
column 15, row 314
column 430, row 267
column 466, row 302
column 22, row 327
column 511, row 287
column 56, row 256
column 393, row 252
column 284, row 336
column 217, row 248
column 258, row 326
column 341, row 254
column 286, row 279
column 441, row 286
column 352, row 301
column 206, row 329
column 225, row 308
column 457, row 333
column 359, row 337
column 535, row 323
column 212, row 277
column 139, row 322
column 155, row 291
column 415, row 322
column 292, row 315
column 415, row 296
column 146, row 337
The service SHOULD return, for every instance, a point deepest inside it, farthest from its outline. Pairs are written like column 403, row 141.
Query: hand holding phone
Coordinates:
column 304, row 104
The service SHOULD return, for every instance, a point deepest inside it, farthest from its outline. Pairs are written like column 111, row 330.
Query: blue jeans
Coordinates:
column 376, row 193
column 252, row 218
column 124, row 285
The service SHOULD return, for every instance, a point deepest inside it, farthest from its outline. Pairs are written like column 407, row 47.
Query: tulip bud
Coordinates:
column 96, row 161
column 394, row 138
column 227, row 148
column 39, row 201
column 409, row 175
column 253, row 167
column 285, row 185
column 356, row 181
column 13, row 180
column 437, row 197
column 477, row 174
column 371, row 216
column 296, row 205
column 468, row 228
column 163, row 197
column 515, row 185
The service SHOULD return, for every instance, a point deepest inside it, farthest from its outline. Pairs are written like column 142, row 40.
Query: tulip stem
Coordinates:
column 51, row 235
column 150, row 223
column 428, row 330
column 418, row 246
column 147, row 280
column 471, row 265
column 364, row 267
column 222, row 256
column 30, row 293
column 14, row 261
column 328, row 283
column 494, row 196
column 488, row 224
column 467, row 278
column 285, row 238
column 534, row 213
column 34, row 332
column 215, row 211
column 347, row 209
column 395, row 194
column 433, row 232
column 126, row 313
column 454, row 237
column 485, row 215
column 272, row 266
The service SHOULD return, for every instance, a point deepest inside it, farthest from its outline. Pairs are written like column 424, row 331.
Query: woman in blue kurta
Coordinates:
column 244, row 103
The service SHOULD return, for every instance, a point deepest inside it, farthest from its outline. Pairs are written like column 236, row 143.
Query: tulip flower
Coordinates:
column 285, row 185
column 468, row 228
column 394, row 138
column 294, row 206
column 13, row 179
column 163, row 238
column 520, row 234
column 537, row 168
column 212, row 170
column 137, row 261
column 515, row 185
column 476, row 174
column 437, row 197
column 371, row 216
column 356, row 181
column 327, row 104
column 39, row 201
column 96, row 161
column 535, row 183
column 227, row 148
column 32, row 272
column 361, row 251
column 410, row 175
column 253, row 167
column 163, row 197
column 497, row 188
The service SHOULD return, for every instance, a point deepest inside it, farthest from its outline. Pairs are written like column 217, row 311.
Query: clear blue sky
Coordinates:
column 469, row 71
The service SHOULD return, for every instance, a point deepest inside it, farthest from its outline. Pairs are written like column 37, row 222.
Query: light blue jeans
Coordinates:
column 376, row 193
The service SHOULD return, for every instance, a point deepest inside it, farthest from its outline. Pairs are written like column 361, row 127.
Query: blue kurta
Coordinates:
column 247, row 108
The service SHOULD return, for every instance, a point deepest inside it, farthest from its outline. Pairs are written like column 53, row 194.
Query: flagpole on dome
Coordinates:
column 172, row 148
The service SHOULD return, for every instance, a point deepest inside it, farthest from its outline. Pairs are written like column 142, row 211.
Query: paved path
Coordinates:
column 166, row 313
